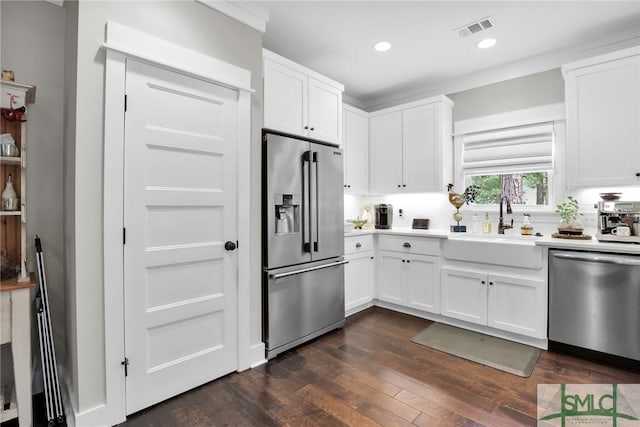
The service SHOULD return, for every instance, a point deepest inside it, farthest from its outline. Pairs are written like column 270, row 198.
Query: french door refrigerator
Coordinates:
column 303, row 240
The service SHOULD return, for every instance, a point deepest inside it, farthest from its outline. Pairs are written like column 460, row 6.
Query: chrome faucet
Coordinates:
column 501, row 225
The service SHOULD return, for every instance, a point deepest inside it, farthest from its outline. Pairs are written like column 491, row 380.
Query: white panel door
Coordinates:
column 421, row 149
column 463, row 295
column 325, row 112
column 385, row 144
column 285, row 97
column 179, row 209
column 423, row 283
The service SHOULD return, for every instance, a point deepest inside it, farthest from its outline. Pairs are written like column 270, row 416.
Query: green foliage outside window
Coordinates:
column 530, row 188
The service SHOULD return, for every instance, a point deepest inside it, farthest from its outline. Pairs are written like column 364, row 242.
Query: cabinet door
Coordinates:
column 385, row 143
column 517, row 305
column 464, row 295
column 325, row 112
column 422, row 161
column 355, row 146
column 358, row 275
column 603, row 106
column 423, row 283
column 285, row 94
column 392, row 277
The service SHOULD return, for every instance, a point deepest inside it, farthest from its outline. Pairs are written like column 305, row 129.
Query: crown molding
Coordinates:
column 254, row 16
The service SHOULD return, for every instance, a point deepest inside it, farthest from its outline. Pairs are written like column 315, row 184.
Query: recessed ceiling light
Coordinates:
column 382, row 46
column 486, row 43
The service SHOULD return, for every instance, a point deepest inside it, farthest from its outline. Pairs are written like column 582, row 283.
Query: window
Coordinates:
column 516, row 162
column 528, row 188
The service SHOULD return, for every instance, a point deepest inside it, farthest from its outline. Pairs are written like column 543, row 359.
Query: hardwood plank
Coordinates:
column 369, row 373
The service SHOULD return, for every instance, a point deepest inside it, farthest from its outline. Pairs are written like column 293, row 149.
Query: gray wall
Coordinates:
column 32, row 45
column 188, row 24
column 510, row 95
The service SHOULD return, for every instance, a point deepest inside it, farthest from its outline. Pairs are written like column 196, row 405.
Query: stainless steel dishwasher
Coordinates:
column 594, row 301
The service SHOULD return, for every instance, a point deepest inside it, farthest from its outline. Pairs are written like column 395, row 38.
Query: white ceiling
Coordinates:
column 428, row 56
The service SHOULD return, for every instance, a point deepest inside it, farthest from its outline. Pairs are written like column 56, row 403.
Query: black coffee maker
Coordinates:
column 384, row 216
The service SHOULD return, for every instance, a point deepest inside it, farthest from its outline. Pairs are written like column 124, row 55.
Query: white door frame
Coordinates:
column 122, row 43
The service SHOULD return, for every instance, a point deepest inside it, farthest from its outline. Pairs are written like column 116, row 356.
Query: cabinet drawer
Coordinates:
column 356, row 244
column 417, row 245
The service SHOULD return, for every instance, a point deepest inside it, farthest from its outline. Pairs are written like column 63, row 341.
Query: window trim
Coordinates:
column 548, row 113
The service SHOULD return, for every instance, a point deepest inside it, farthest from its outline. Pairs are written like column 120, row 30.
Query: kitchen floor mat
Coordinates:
column 507, row 356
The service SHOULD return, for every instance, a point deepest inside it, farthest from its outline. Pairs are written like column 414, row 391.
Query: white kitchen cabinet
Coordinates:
column 603, row 129
column 500, row 301
column 406, row 277
column 300, row 101
column 411, row 147
column 385, row 145
column 464, row 295
column 358, row 273
column 355, row 145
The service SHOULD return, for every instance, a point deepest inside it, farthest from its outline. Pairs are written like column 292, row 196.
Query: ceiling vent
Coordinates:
column 475, row 27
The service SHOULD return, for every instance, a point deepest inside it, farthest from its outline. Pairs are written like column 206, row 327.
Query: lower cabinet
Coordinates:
column 358, row 280
column 410, row 280
column 509, row 303
column 358, row 272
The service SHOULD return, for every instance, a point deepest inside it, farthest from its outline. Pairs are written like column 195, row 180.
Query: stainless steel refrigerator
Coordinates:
column 303, row 240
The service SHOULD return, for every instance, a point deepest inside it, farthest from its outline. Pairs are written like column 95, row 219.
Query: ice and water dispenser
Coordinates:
column 287, row 217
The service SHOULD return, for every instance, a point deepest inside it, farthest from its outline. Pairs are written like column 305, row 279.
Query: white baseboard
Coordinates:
column 357, row 309
column 257, row 355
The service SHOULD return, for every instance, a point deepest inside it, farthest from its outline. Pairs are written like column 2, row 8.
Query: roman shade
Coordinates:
column 508, row 150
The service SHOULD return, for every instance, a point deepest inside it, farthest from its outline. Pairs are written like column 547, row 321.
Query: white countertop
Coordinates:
column 548, row 241
column 589, row 245
column 440, row 234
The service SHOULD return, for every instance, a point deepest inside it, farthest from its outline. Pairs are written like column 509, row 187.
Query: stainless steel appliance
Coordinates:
column 614, row 214
column 383, row 216
column 303, row 240
column 593, row 302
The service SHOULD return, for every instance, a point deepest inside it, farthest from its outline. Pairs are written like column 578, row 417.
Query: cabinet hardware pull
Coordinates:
column 408, row 260
column 312, row 129
column 406, row 244
column 491, row 283
column 358, row 245
column 637, row 173
column 404, row 185
column 404, row 261
column 399, row 185
column 306, row 127
column 482, row 282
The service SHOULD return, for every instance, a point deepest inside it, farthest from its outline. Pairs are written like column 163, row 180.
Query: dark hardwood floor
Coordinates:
column 370, row 374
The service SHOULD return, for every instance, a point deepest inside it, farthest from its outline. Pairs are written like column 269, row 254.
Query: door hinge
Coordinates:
column 124, row 235
column 125, row 103
column 125, row 363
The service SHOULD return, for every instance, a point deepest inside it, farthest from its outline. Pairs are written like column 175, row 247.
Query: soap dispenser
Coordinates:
column 486, row 225
column 527, row 228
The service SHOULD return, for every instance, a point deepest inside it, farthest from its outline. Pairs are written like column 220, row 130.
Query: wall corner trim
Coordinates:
column 134, row 43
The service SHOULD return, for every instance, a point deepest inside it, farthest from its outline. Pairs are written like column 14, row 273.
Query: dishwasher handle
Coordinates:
column 305, row 270
column 599, row 258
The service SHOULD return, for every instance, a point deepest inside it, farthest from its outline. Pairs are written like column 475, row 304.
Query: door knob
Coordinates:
column 230, row 246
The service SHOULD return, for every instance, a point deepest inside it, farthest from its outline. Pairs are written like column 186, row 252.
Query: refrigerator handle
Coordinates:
column 306, row 199
column 316, row 208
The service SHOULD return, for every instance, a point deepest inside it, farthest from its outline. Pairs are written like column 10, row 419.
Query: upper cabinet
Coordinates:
column 355, row 144
column 300, row 101
column 411, row 147
column 603, row 119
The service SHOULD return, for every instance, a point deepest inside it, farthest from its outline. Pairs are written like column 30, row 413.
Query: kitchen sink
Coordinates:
column 510, row 250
